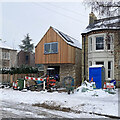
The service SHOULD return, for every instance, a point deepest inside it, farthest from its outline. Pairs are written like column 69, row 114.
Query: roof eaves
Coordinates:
column 72, row 44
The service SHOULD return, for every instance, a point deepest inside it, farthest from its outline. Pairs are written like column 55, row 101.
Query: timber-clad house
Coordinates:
column 101, row 46
column 62, row 52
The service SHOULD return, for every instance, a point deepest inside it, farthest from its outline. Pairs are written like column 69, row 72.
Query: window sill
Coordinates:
column 50, row 53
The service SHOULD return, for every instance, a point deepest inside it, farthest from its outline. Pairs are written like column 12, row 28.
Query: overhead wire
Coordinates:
column 77, row 20
column 67, row 9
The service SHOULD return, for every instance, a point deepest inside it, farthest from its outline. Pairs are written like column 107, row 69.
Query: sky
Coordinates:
column 35, row 18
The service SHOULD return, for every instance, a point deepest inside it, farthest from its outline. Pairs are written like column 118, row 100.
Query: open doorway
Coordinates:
column 54, row 71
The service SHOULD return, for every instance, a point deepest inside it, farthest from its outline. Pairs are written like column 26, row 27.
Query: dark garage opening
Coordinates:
column 54, row 72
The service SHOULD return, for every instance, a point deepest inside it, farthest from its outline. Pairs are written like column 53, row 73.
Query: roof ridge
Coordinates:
column 64, row 33
column 68, row 39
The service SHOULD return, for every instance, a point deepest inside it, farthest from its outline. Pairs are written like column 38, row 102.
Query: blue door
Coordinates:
column 96, row 73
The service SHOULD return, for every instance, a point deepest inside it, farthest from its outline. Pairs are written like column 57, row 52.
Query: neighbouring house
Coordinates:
column 26, row 58
column 61, row 52
column 101, row 46
column 8, row 56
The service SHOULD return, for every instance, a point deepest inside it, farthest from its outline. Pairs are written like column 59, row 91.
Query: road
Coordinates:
column 12, row 109
column 20, row 110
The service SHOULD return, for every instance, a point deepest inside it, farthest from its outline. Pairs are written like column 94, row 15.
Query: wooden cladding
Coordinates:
column 66, row 53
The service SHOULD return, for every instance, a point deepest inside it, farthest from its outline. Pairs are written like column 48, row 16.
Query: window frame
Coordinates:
column 110, row 69
column 110, row 43
column 90, row 44
column 50, row 52
column 90, row 63
column 96, row 43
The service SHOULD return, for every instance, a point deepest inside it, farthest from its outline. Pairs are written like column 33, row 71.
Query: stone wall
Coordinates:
column 78, row 67
column 117, row 57
column 116, row 52
column 73, row 70
column 65, row 70
column 85, row 67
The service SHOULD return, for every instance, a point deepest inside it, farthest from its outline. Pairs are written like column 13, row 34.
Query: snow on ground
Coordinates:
column 103, row 102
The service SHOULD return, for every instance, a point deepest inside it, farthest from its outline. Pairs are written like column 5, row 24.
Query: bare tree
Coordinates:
column 110, row 9
column 104, row 7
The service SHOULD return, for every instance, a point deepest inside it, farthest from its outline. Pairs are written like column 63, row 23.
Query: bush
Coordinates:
column 19, row 70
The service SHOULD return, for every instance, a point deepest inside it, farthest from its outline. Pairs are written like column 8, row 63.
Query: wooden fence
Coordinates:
column 7, row 78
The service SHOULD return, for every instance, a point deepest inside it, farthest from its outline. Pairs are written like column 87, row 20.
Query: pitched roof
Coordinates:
column 105, row 23
column 68, row 39
column 3, row 45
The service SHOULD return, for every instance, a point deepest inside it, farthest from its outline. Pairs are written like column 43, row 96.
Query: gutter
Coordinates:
column 84, row 59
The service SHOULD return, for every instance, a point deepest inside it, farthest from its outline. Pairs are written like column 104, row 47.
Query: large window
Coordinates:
column 51, row 48
column 99, row 43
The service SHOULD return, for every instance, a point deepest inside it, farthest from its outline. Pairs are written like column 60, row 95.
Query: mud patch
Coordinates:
column 52, row 107
column 64, row 109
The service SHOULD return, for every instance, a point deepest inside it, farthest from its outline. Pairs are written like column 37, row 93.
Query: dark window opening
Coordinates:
column 26, row 59
column 108, row 46
column 99, row 63
column 109, row 76
column 99, row 43
column 109, row 69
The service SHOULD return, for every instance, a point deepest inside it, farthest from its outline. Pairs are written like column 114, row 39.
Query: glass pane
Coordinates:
column 90, row 63
column 99, row 43
column 99, row 63
column 109, row 73
column 90, row 44
column 109, row 65
column 108, row 46
column 54, row 47
column 47, row 48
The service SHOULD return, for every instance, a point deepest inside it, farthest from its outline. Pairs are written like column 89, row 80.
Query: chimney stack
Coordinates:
column 92, row 18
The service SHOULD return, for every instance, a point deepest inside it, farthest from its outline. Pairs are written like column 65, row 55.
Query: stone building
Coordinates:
column 8, row 56
column 61, row 52
column 26, row 58
column 101, row 45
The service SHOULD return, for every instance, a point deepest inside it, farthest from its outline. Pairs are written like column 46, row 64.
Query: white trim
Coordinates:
column 96, row 66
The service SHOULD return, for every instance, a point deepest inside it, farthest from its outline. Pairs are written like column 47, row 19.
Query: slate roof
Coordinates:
column 106, row 23
column 68, row 39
